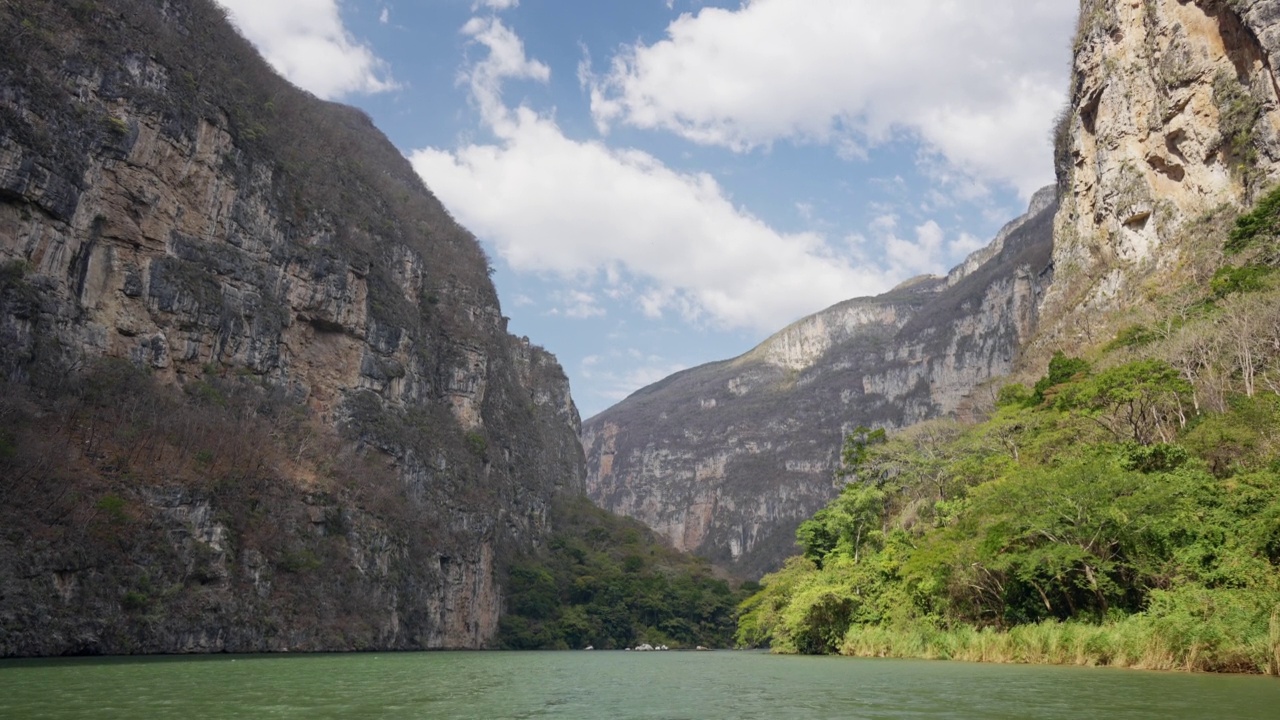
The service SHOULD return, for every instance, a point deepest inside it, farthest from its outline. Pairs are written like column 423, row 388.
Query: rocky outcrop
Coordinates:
column 1173, row 115
column 166, row 199
column 1173, row 112
column 727, row 459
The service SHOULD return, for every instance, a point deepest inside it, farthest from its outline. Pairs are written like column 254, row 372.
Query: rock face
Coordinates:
column 727, row 459
column 1173, row 112
column 166, row 199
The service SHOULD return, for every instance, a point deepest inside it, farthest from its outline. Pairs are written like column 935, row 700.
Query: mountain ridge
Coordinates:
column 737, row 418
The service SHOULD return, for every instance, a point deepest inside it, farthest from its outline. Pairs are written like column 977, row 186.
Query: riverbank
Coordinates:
column 1135, row 642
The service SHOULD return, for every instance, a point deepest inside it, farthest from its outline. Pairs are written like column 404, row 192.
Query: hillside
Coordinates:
column 1172, row 125
column 1124, row 510
column 258, row 392
column 726, row 459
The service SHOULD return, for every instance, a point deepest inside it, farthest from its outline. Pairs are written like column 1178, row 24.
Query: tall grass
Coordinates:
column 1273, row 637
column 1134, row 642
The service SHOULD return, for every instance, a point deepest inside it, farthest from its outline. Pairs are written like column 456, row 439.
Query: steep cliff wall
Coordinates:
column 727, row 459
column 1173, row 112
column 167, row 200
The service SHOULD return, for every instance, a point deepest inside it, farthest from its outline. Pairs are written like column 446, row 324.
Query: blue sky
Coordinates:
column 663, row 183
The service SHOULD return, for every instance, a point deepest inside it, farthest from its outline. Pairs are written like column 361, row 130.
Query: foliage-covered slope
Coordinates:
column 611, row 582
column 1125, row 510
column 727, row 458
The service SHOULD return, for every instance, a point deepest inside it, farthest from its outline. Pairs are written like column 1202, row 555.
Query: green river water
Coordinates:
column 608, row 685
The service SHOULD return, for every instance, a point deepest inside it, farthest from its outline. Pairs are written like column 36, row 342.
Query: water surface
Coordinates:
column 609, row 685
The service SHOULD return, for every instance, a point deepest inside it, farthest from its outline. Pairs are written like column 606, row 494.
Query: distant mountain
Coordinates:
column 1172, row 117
column 726, row 459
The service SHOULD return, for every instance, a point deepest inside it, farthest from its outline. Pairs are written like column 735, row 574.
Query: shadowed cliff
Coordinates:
column 259, row 393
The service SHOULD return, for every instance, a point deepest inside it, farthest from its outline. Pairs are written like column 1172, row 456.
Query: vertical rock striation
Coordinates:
column 166, row 199
column 1173, row 112
column 1173, row 115
column 727, row 459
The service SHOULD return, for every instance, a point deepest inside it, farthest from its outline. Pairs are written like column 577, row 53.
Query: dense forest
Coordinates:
column 612, row 583
column 1125, row 510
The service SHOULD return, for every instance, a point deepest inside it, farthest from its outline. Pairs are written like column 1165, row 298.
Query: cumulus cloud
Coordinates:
column 506, row 61
column 921, row 252
column 307, row 42
column 979, row 83
column 581, row 209
column 495, row 5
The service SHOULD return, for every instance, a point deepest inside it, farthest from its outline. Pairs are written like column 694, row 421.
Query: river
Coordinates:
column 584, row 684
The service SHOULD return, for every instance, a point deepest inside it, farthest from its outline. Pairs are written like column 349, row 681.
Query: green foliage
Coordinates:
column 1258, row 225
column 1229, row 279
column 1014, row 395
column 134, row 601
column 610, row 582
column 298, row 561
column 116, row 126
column 1133, row 336
column 1062, row 369
column 856, row 448
column 207, row 393
column 1160, row 457
column 1136, row 401
column 1240, row 440
column 113, row 506
column 846, row 525
column 1094, row 527
column 12, row 272
column 1238, row 112
column 477, row 445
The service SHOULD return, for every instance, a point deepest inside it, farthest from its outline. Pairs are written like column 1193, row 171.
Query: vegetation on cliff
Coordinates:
column 256, row 390
column 176, row 521
column 1125, row 510
column 611, row 582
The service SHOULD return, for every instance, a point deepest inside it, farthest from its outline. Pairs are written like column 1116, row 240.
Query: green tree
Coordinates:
column 1062, row 369
column 845, row 526
column 1143, row 401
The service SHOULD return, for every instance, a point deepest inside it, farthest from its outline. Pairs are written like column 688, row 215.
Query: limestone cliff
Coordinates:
column 1173, row 121
column 167, row 200
column 726, row 459
column 1173, row 112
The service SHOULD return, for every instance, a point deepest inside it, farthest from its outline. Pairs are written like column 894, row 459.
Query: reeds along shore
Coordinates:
column 1135, row 642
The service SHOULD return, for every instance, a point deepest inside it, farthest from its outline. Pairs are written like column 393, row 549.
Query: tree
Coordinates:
column 857, row 448
column 1135, row 401
column 845, row 525
column 1062, row 369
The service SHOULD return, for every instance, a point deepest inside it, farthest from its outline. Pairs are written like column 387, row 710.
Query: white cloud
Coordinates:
column 506, row 60
column 979, row 83
column 966, row 244
column 307, row 43
column 922, row 253
column 617, row 382
column 577, row 305
column 549, row 203
column 384, row 17
column 584, row 210
column 494, row 5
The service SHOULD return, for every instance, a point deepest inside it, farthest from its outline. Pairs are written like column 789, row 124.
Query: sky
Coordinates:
column 665, row 183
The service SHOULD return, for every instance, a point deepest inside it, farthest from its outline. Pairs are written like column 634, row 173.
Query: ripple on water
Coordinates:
column 671, row 686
